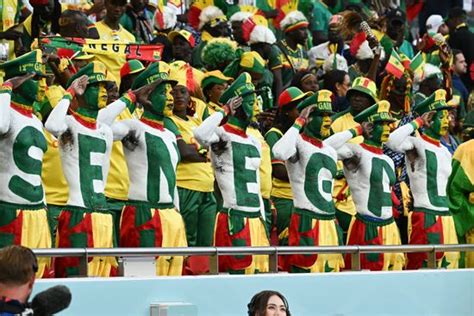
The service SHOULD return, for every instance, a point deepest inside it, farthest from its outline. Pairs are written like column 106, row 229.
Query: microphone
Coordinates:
column 51, row 301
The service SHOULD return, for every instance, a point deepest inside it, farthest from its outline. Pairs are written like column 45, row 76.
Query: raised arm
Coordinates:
column 339, row 139
column 205, row 133
column 121, row 129
column 285, row 147
column 400, row 140
column 5, row 99
column 108, row 114
column 56, row 122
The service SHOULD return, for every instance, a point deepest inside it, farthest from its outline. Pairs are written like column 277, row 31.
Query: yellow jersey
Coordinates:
column 117, row 180
column 280, row 189
column 196, row 176
column 113, row 62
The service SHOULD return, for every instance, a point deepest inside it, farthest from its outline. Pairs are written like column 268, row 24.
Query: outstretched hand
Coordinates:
column 79, row 85
column 428, row 118
column 19, row 80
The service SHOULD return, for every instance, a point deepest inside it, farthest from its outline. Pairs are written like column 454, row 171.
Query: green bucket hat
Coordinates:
column 155, row 71
column 322, row 100
column 364, row 85
column 96, row 71
column 379, row 112
column 435, row 102
column 291, row 95
column 25, row 64
column 242, row 86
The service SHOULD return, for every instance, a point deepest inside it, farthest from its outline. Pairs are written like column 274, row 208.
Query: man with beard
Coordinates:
column 428, row 167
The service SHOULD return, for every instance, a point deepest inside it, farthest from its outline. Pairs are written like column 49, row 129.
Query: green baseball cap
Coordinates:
column 322, row 100
column 95, row 70
column 155, row 71
column 28, row 63
column 379, row 112
column 435, row 102
column 242, row 86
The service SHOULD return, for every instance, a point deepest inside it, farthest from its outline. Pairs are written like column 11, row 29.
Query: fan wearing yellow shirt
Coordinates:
column 110, row 30
column 194, row 175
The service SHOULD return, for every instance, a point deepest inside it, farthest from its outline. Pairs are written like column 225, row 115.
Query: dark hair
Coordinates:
column 206, row 90
column 332, row 77
column 456, row 12
column 18, row 265
column 456, row 52
column 297, row 78
column 258, row 303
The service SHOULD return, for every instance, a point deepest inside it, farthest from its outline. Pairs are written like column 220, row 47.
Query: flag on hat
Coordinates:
column 394, row 65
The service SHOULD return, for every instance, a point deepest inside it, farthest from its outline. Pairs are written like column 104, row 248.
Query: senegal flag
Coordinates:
column 394, row 65
column 417, row 62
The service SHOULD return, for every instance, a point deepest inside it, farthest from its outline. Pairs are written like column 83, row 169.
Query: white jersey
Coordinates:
column 311, row 166
column 429, row 172
column 152, row 158
column 85, row 154
column 22, row 145
column 371, row 181
column 236, row 168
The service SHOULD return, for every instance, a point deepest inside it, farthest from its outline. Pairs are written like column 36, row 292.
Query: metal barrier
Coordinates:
column 272, row 252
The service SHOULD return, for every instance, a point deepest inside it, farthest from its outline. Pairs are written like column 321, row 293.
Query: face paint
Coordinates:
column 380, row 133
column 160, row 97
column 96, row 96
column 248, row 104
column 318, row 126
column 440, row 124
column 326, row 127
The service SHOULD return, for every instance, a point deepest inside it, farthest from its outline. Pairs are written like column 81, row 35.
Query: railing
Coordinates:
column 272, row 252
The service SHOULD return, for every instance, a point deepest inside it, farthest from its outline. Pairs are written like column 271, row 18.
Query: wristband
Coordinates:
column 299, row 123
column 71, row 91
column 132, row 96
column 356, row 131
column 417, row 123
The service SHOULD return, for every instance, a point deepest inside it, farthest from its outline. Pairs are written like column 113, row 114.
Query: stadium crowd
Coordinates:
column 237, row 123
